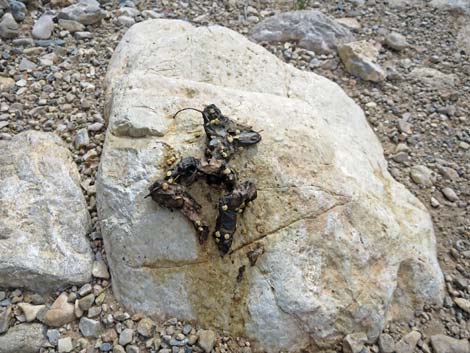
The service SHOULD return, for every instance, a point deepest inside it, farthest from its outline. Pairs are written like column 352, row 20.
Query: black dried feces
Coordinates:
column 224, row 137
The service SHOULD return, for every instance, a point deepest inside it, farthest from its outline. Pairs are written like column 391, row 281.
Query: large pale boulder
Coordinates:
column 43, row 215
column 345, row 246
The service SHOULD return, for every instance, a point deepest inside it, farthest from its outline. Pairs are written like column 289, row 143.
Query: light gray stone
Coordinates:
column 132, row 349
column 6, row 83
column 126, row 21
column 94, row 311
column 71, row 25
column 83, row 35
column 86, row 12
column 359, row 58
column 396, row 41
column 462, row 6
column 126, row 336
column 120, row 349
column 408, row 343
column 26, row 65
column 43, row 215
column 53, row 336
column 18, row 10
column 128, row 11
column 5, row 317
column 463, row 304
column 8, row 27
column 349, row 22
column 4, row 5
column 43, row 27
column 152, row 14
column 446, row 344
column 85, row 290
column 422, row 175
column 86, row 302
column 65, row 345
column 434, row 79
column 90, row 328
column 386, row 343
column 318, row 155
column 206, row 340
column 354, row 342
column 23, row 338
column 145, row 327
column 100, row 270
column 81, row 139
column 311, row 29
column 450, row 194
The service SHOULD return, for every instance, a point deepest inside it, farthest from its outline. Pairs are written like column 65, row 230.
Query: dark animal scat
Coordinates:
column 224, row 138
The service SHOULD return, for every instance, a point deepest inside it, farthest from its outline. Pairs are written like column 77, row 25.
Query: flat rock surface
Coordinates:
column 43, row 215
column 324, row 269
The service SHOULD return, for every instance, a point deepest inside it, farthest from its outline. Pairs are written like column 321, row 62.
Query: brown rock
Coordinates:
column 60, row 313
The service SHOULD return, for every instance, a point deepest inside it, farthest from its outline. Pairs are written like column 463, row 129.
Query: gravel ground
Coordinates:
column 424, row 126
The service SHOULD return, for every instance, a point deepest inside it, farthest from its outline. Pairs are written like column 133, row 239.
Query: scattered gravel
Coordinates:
column 51, row 80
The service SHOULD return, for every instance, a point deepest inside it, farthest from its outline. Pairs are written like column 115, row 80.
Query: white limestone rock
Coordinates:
column 346, row 247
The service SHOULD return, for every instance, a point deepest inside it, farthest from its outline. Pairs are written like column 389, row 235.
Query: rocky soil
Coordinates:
column 52, row 67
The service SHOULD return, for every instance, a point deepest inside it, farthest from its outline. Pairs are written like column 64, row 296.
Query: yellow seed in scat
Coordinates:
column 230, row 139
column 171, row 180
column 227, row 171
column 227, row 236
column 165, row 186
column 217, row 240
column 200, row 229
column 225, row 207
column 168, row 173
column 237, row 132
column 217, row 234
column 198, row 223
column 240, row 210
column 224, row 154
